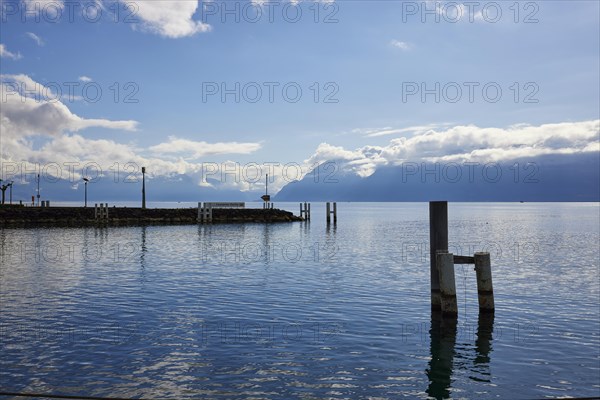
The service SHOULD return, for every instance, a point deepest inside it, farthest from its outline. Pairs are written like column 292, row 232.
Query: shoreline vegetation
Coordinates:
column 15, row 216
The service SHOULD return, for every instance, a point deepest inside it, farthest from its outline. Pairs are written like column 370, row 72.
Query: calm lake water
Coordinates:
column 298, row 310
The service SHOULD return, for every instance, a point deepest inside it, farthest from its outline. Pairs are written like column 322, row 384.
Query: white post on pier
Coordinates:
column 445, row 266
column 485, row 289
column 205, row 214
column 101, row 211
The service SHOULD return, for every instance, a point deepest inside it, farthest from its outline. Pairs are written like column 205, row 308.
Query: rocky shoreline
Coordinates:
column 117, row 216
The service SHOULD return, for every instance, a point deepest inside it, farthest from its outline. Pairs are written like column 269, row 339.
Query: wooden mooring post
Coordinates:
column 438, row 241
column 305, row 211
column 445, row 265
column 330, row 211
column 485, row 289
column 443, row 286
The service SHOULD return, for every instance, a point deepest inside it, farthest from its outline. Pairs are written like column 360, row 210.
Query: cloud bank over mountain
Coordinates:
column 37, row 128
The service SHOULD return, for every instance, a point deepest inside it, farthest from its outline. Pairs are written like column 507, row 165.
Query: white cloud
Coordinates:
column 467, row 143
column 85, row 78
column 26, row 114
column 169, row 18
column 4, row 53
column 394, row 131
column 32, row 4
column 35, row 38
column 38, row 131
column 401, row 45
column 197, row 150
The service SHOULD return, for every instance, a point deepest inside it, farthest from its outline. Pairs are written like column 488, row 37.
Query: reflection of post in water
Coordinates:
column 331, row 229
column 204, row 234
column 443, row 339
column 2, row 248
column 267, row 243
column 483, row 347
column 143, row 249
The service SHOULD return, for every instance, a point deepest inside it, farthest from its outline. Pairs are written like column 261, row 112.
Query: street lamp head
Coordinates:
column 143, row 170
column 86, row 180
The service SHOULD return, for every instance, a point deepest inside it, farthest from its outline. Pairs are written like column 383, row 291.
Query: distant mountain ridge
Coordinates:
column 574, row 177
column 545, row 178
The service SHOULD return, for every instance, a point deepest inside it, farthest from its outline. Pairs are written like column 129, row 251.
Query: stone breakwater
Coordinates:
column 78, row 216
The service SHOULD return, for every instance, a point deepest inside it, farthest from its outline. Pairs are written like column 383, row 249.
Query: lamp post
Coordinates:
column 10, row 196
column 143, row 188
column 3, row 189
column 266, row 198
column 86, row 180
column 38, row 190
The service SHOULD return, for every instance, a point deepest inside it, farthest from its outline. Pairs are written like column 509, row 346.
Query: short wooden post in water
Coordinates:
column 334, row 212
column 445, row 265
column 438, row 240
column 328, row 211
column 485, row 288
column 308, row 211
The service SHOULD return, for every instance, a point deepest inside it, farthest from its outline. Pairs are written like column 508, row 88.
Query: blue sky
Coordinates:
column 369, row 54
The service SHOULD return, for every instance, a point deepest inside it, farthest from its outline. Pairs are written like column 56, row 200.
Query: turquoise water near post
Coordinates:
column 303, row 310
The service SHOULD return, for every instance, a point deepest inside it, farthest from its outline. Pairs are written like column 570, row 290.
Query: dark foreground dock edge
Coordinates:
column 117, row 216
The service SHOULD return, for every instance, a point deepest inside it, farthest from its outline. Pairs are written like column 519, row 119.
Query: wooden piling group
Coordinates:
column 443, row 286
column 305, row 211
column 329, row 211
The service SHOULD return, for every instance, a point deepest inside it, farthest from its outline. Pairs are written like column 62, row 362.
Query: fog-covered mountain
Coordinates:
column 546, row 178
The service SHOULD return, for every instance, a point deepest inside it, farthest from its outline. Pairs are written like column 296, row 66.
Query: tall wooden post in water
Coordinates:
column 438, row 240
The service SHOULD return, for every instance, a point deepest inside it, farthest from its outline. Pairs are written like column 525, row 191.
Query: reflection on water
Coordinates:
column 442, row 342
column 442, row 334
column 300, row 310
column 483, row 344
